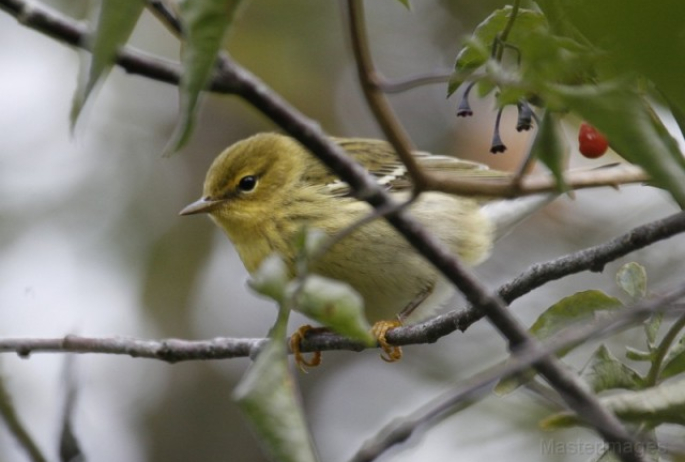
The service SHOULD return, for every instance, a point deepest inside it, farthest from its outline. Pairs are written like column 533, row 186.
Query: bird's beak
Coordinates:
column 201, row 206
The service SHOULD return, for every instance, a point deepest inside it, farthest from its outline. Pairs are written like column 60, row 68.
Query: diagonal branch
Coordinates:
column 238, row 80
column 230, row 80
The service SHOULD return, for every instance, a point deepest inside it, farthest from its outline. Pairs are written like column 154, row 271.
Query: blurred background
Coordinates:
column 91, row 243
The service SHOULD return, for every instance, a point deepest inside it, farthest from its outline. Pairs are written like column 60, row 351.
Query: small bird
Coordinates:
column 264, row 189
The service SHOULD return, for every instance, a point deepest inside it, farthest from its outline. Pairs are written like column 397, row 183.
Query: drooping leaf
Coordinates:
column 653, row 406
column 334, row 304
column 632, row 278
column 268, row 396
column 114, row 26
column 634, row 131
column 271, row 278
column 205, row 25
column 406, row 4
column 551, row 148
column 606, row 372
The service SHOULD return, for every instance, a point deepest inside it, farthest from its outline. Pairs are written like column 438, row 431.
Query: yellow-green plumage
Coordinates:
column 294, row 189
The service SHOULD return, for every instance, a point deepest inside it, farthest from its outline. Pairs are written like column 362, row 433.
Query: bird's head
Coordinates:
column 250, row 180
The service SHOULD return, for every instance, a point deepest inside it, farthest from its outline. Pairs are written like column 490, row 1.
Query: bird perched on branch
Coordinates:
column 263, row 190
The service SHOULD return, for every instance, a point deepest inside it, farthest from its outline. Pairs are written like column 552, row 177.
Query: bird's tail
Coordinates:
column 505, row 214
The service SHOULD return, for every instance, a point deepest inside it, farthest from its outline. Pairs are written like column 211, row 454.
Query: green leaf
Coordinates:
column 634, row 131
column 115, row 24
column 205, row 24
column 406, row 4
column 653, row 406
column 652, row 326
column 268, row 396
column 334, row 304
column 271, row 278
column 606, row 372
column 551, row 148
column 638, row 355
column 477, row 49
column 580, row 306
column 649, row 41
column 632, row 278
column 674, row 363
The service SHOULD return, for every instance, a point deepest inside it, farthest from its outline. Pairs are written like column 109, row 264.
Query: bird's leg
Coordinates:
column 392, row 353
column 295, row 342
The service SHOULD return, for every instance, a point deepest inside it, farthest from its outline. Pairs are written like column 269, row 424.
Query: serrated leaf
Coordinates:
column 476, row 51
column 271, row 278
column 652, row 326
column 578, row 307
column 551, row 148
column 638, row 355
column 268, row 396
column 634, row 131
column 114, row 26
column 632, row 278
column 205, row 24
column 653, row 406
column 674, row 363
column 334, row 304
column 606, row 372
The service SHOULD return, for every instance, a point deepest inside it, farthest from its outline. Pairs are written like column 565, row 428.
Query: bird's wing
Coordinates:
column 381, row 160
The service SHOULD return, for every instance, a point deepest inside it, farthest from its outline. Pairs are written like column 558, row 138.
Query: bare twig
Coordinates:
column 368, row 77
column 231, row 81
column 237, row 80
column 408, row 83
column 174, row 350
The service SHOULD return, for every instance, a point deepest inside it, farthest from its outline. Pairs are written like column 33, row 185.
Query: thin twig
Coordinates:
column 568, row 384
column 664, row 347
column 368, row 77
column 408, row 83
column 232, row 81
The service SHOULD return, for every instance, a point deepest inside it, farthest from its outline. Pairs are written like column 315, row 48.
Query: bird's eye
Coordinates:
column 247, row 183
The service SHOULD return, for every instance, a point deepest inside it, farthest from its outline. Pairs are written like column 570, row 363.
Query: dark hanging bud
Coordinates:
column 525, row 118
column 464, row 108
column 497, row 145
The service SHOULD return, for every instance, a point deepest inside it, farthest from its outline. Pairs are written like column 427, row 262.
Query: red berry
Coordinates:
column 592, row 143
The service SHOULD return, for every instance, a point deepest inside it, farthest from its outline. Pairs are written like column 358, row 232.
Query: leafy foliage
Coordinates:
column 115, row 24
column 568, row 60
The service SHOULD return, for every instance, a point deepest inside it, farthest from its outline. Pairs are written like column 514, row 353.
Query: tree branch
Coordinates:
column 231, row 80
column 478, row 386
column 175, row 350
column 238, row 80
